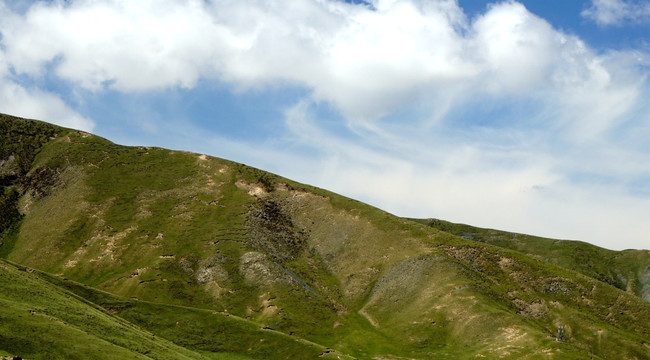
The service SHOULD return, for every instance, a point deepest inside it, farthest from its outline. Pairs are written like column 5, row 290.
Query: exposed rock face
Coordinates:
column 256, row 268
column 536, row 309
column 9, row 170
column 211, row 270
column 272, row 231
column 41, row 181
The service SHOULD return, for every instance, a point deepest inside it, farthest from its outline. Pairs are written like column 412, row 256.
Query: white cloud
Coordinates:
column 133, row 45
column 516, row 47
column 366, row 62
column 33, row 103
column 617, row 12
column 36, row 104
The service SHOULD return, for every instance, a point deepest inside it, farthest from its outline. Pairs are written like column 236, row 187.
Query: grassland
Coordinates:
column 218, row 260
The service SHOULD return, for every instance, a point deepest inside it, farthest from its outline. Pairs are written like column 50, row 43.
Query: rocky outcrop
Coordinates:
column 272, row 231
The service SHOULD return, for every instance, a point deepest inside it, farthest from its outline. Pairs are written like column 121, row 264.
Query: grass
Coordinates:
column 43, row 321
column 201, row 330
column 627, row 270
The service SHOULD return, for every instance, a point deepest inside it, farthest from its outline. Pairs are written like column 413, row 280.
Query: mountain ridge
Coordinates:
column 628, row 270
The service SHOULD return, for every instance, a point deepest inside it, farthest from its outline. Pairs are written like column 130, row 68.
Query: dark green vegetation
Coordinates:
column 172, row 254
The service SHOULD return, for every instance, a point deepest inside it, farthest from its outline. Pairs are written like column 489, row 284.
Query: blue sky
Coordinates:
column 528, row 116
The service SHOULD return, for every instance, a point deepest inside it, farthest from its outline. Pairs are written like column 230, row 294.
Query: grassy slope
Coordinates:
column 74, row 321
column 184, row 230
column 214, row 334
column 627, row 270
column 43, row 321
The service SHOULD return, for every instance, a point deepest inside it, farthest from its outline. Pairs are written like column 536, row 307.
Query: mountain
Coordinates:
column 220, row 260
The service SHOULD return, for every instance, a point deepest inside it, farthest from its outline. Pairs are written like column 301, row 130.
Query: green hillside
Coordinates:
column 627, row 270
column 73, row 321
column 43, row 321
column 222, row 259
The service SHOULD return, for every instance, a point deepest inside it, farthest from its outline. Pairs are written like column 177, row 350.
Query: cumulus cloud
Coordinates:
column 516, row 48
column 617, row 12
column 365, row 60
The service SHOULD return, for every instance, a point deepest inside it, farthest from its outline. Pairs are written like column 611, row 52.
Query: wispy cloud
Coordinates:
column 618, row 12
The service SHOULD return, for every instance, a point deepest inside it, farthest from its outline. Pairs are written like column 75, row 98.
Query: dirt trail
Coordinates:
column 372, row 321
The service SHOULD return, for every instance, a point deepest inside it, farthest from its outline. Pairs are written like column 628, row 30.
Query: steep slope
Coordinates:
column 187, row 230
column 627, row 270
